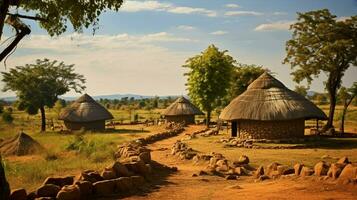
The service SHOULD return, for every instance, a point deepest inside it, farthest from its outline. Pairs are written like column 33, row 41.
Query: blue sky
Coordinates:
column 141, row 48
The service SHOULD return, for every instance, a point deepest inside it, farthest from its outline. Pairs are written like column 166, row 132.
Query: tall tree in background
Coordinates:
column 346, row 96
column 208, row 78
column 39, row 85
column 242, row 76
column 53, row 16
column 321, row 43
column 300, row 89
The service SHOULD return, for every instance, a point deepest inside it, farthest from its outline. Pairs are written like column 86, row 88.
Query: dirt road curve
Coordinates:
column 181, row 185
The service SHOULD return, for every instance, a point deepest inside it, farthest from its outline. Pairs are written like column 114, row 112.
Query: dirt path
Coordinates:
column 181, row 185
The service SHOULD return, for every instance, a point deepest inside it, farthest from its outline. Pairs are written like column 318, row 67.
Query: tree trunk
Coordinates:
column 342, row 125
column 43, row 119
column 4, row 185
column 208, row 120
column 332, row 92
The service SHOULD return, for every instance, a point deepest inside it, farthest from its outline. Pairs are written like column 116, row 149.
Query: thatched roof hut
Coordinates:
column 85, row 113
column 182, row 110
column 267, row 104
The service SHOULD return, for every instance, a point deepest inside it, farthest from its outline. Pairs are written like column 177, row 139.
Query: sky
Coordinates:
column 141, row 48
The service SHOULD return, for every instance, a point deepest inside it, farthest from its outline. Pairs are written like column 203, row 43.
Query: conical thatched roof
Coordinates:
column 268, row 99
column 21, row 144
column 85, row 109
column 182, row 106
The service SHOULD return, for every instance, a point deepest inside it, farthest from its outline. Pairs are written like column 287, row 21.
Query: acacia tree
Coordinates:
column 208, row 78
column 242, row 76
column 39, row 85
column 321, row 43
column 53, row 16
column 346, row 95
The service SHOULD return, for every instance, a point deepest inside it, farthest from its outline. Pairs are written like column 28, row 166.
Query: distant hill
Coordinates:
column 111, row 96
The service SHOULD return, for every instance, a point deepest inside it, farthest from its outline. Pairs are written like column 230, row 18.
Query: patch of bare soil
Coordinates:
column 181, row 185
column 21, row 144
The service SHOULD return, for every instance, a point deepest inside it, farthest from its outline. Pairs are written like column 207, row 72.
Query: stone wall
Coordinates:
column 187, row 119
column 249, row 129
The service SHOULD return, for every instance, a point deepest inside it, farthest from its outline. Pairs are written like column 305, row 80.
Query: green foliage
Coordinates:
column 321, row 43
column 242, row 76
column 59, row 105
column 45, row 81
column 7, row 117
column 300, row 89
column 208, row 78
column 1, row 108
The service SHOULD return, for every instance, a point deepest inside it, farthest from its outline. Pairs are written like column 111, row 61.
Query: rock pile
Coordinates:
column 343, row 171
column 189, row 136
column 183, row 151
column 249, row 143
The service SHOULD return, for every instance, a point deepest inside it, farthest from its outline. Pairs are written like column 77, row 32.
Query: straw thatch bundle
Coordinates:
column 182, row 106
column 21, row 144
column 267, row 99
column 85, row 109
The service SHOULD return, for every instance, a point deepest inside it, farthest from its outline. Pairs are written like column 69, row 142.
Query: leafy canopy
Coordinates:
column 38, row 85
column 208, row 78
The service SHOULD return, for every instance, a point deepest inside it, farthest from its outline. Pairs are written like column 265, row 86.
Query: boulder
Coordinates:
column 91, row 176
column 306, row 171
column 48, row 190
column 243, row 159
column 285, row 170
column 321, row 168
column 213, row 161
column 137, row 181
column 18, row 194
column 85, row 188
column 259, row 172
column 343, row 160
column 120, row 169
column 297, row 168
column 137, row 166
column 59, row 181
column 335, row 170
column 31, row 196
column 104, row 188
column 271, row 167
column 145, row 156
column 108, row 174
column 124, row 184
column 348, row 173
column 69, row 192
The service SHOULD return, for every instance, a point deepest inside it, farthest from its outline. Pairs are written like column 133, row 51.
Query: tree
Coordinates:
column 321, row 43
column 242, row 76
column 300, row 89
column 39, row 85
column 59, row 105
column 346, row 96
column 208, row 78
column 53, row 16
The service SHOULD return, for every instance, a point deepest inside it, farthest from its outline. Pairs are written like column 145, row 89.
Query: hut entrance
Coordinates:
column 234, row 129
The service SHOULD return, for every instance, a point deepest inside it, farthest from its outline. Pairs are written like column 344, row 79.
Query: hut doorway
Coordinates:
column 234, row 129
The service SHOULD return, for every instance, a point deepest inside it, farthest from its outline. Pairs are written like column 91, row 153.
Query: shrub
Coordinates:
column 7, row 117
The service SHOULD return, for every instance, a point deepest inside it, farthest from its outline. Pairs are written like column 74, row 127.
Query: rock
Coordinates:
column 271, row 167
column 145, row 156
column 243, row 159
column 124, row 184
column 202, row 173
column 194, row 175
column 240, row 171
column 222, row 165
column 348, row 173
column 138, row 181
column 138, row 166
column 259, row 172
column 59, row 181
column 213, row 161
column 285, row 170
column 335, row 170
column 86, row 188
column 18, row 194
column 31, row 196
column 297, row 168
column 343, row 160
column 48, row 190
column 306, row 171
column 69, row 192
column 120, row 169
column 321, row 168
column 91, row 176
column 263, row 177
column 104, row 188
column 45, row 198
column 108, row 174
column 231, row 177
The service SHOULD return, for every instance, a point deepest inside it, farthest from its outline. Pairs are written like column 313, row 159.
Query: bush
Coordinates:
column 7, row 117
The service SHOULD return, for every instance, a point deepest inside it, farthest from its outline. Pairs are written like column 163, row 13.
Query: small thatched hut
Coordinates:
column 182, row 111
column 85, row 113
column 267, row 109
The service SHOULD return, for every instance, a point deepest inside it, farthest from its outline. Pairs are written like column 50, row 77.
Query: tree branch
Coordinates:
column 28, row 17
column 4, row 7
column 21, row 29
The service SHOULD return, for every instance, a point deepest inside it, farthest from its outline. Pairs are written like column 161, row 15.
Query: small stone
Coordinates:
column 263, row 177
column 69, row 192
column 18, row 194
column 343, row 160
column 48, row 190
column 104, row 188
column 259, row 172
column 306, row 171
column 231, row 177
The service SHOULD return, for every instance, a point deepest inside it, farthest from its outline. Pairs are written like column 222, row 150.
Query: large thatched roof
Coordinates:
column 268, row 99
column 85, row 109
column 182, row 106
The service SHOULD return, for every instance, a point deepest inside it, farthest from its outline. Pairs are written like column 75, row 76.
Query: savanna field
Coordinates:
column 70, row 153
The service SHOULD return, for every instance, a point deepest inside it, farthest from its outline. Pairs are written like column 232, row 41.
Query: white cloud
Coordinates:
column 186, row 27
column 219, row 32
column 232, row 5
column 281, row 25
column 137, row 6
column 280, row 13
column 242, row 13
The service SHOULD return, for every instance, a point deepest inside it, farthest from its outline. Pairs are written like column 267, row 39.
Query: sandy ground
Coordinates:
column 181, row 185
